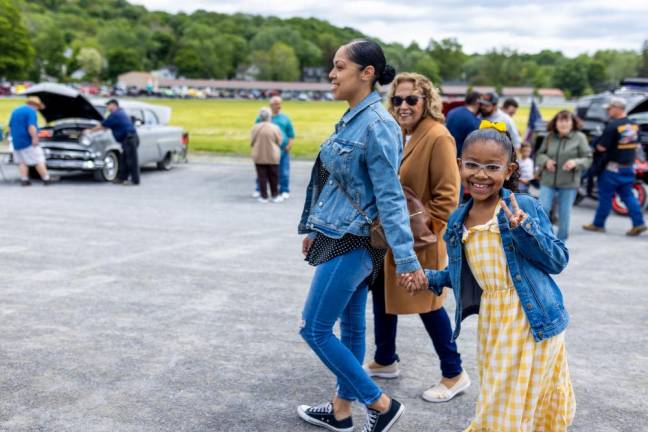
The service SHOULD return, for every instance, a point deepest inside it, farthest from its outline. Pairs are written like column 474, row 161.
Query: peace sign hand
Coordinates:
column 516, row 216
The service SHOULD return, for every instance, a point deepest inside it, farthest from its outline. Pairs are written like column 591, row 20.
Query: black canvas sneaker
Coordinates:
column 322, row 415
column 377, row 422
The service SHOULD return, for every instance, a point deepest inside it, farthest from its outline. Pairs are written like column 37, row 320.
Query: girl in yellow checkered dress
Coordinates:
column 501, row 251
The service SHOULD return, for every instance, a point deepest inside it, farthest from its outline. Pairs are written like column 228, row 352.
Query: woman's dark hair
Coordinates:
column 369, row 53
column 504, row 140
column 576, row 122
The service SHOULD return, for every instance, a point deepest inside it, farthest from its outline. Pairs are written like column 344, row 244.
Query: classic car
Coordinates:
column 68, row 113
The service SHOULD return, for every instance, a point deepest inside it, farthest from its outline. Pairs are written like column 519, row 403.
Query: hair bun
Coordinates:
column 387, row 75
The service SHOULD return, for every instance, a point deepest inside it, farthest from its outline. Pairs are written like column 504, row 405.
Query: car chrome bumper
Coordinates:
column 71, row 160
column 74, row 165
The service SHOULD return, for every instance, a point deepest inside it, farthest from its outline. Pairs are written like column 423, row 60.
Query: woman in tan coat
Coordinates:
column 266, row 138
column 429, row 169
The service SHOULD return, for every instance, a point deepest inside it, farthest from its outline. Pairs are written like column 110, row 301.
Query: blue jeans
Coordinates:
column 284, row 172
column 339, row 291
column 620, row 183
column 437, row 324
column 565, row 198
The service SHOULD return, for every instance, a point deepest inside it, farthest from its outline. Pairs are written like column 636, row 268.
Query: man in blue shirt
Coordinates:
column 23, row 130
column 124, row 133
column 288, row 137
column 463, row 120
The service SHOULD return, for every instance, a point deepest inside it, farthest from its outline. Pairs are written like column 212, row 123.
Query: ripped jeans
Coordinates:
column 339, row 291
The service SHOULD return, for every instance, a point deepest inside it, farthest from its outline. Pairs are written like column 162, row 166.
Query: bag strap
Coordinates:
column 353, row 203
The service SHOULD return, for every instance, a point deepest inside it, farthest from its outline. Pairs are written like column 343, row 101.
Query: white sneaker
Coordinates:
column 441, row 393
column 256, row 194
column 262, row 200
column 285, row 195
column 373, row 369
column 277, row 199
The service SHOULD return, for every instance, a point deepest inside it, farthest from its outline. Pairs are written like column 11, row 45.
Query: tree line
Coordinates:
column 56, row 38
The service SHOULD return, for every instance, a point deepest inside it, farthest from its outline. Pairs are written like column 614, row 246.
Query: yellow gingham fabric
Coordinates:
column 524, row 385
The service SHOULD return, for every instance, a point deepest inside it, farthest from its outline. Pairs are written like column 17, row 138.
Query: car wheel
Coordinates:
column 619, row 207
column 110, row 169
column 166, row 163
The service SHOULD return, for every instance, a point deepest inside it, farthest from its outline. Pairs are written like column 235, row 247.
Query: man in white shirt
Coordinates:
column 489, row 111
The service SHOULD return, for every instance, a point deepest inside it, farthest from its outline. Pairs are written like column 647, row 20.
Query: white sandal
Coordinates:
column 441, row 393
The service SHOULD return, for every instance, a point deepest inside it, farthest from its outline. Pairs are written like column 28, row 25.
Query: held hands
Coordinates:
column 413, row 282
column 306, row 245
column 515, row 215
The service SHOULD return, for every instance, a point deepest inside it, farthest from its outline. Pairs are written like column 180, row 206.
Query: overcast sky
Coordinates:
column 572, row 26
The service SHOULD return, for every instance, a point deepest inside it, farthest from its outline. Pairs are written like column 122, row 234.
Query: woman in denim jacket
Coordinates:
column 354, row 179
column 501, row 252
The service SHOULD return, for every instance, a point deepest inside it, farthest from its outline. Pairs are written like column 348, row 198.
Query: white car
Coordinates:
column 68, row 113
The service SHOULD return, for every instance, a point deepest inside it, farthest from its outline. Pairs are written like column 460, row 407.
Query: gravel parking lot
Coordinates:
column 174, row 306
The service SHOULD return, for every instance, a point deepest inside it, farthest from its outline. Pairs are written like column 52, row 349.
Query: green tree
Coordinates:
column 642, row 70
column 619, row 63
column 278, row 64
column 543, row 76
column 571, row 77
column 189, row 61
column 548, row 58
column 50, row 44
column 16, row 51
column 91, row 61
column 122, row 60
column 308, row 54
column 426, row 66
column 596, row 74
column 449, row 56
column 396, row 56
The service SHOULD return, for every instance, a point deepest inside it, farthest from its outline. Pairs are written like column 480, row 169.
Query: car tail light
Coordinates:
column 185, row 139
column 45, row 133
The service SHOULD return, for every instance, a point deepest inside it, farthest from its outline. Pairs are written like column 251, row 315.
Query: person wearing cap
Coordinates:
column 124, row 133
column 617, row 146
column 23, row 130
column 489, row 111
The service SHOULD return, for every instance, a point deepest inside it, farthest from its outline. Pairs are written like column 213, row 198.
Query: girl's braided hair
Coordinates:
column 504, row 140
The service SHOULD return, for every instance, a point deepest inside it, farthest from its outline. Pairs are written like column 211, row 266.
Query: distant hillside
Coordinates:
column 98, row 40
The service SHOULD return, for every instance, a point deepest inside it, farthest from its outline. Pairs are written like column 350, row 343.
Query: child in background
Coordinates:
column 527, row 169
column 501, row 251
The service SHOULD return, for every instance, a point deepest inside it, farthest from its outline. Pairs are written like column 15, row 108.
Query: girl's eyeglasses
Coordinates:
column 411, row 100
column 473, row 166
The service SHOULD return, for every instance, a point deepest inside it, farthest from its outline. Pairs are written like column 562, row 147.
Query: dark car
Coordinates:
column 592, row 111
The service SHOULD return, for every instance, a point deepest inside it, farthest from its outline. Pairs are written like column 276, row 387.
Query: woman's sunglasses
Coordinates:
column 411, row 100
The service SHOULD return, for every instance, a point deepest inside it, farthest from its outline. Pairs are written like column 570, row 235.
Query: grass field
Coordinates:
column 224, row 125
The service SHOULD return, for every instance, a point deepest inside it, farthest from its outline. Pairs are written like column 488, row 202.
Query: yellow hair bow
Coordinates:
column 499, row 126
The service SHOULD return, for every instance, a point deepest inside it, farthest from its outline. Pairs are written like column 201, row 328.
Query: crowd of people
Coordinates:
column 495, row 248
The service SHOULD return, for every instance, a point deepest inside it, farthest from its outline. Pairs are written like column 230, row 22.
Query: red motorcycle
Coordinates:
column 641, row 177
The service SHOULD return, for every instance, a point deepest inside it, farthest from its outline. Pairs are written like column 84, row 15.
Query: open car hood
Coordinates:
column 641, row 106
column 63, row 102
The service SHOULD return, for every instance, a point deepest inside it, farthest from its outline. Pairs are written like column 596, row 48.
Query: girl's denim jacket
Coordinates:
column 532, row 254
column 363, row 155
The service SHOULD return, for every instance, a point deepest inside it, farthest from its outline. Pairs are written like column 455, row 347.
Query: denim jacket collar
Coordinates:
column 462, row 212
column 372, row 98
